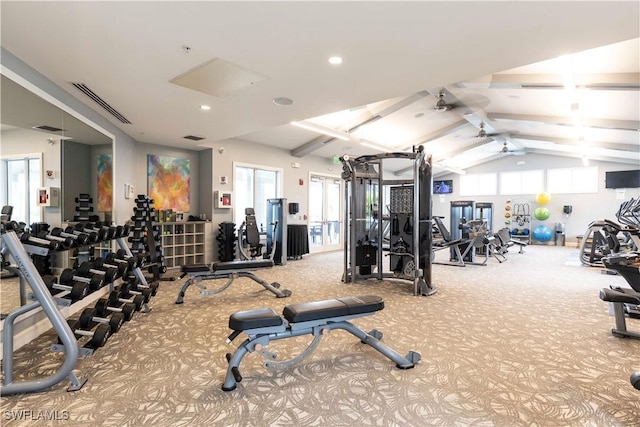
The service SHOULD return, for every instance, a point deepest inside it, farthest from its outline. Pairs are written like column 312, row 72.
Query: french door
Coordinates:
column 325, row 213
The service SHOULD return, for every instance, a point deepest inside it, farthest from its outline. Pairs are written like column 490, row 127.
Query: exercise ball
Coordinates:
column 542, row 233
column 541, row 214
column 543, row 198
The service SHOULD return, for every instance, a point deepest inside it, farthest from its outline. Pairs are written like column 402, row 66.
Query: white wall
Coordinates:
column 586, row 207
column 251, row 153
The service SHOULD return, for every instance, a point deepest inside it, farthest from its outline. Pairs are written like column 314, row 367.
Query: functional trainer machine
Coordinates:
column 408, row 239
column 232, row 269
column 313, row 318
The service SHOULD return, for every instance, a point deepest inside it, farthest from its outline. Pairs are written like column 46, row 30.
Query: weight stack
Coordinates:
column 226, row 241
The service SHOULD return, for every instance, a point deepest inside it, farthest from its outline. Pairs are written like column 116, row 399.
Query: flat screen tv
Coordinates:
column 622, row 179
column 443, row 187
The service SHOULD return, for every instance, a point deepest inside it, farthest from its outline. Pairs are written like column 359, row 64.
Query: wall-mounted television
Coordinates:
column 443, row 186
column 622, row 179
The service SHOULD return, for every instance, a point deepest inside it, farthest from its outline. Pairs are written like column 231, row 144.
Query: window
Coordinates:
column 253, row 185
column 481, row 184
column 572, row 180
column 21, row 179
column 521, row 182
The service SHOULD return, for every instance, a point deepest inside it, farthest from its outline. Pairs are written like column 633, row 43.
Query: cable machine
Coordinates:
column 372, row 200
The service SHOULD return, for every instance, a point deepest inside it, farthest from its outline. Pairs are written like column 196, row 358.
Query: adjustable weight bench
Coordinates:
column 313, row 318
column 227, row 270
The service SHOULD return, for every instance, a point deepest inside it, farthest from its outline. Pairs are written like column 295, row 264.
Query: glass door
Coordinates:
column 325, row 217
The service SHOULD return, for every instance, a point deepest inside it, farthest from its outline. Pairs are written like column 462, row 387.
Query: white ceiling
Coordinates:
column 397, row 57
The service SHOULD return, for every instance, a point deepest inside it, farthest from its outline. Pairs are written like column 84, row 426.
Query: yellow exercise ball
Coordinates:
column 543, row 198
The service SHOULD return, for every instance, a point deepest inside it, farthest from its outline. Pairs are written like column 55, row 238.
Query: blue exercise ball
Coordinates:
column 542, row 233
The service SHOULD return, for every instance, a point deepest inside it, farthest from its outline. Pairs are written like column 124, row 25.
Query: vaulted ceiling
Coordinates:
column 558, row 78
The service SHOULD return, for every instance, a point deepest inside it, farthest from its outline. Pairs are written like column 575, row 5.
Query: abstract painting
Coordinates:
column 105, row 183
column 169, row 180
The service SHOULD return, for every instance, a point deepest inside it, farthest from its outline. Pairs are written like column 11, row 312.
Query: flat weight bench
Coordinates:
column 623, row 301
column 313, row 318
column 227, row 270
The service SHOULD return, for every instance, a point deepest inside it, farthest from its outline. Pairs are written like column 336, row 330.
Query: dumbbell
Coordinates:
column 94, row 281
column 134, row 285
column 67, row 242
column 103, row 308
column 126, row 290
column 129, row 264
column 77, row 290
column 138, row 258
column 86, row 268
column 51, row 245
column 89, row 316
column 102, row 233
column 99, row 336
column 81, row 239
column 116, row 298
column 79, row 231
column 103, row 264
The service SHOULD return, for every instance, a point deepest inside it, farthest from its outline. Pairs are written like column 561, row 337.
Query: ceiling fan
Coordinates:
column 443, row 105
column 505, row 150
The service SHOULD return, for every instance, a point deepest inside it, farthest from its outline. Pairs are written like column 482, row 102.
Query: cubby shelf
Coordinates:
column 186, row 243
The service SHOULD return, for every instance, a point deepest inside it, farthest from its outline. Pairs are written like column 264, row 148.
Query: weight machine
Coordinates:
column 408, row 238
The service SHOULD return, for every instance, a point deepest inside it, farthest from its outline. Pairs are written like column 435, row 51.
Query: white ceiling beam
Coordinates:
column 568, row 121
column 436, row 134
column 364, row 118
column 604, row 81
column 633, row 148
column 577, row 155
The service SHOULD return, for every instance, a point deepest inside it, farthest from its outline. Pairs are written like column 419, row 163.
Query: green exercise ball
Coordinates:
column 541, row 214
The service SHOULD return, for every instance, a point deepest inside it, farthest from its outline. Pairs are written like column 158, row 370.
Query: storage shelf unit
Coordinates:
column 185, row 243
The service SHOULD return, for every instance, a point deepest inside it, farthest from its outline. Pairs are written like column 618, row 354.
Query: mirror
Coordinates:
column 75, row 156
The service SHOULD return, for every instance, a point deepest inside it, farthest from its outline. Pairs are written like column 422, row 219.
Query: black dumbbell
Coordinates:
column 87, row 268
column 135, row 285
column 126, row 291
column 79, row 231
column 101, row 233
column 67, row 242
column 99, row 336
column 138, row 258
column 49, row 244
column 112, row 258
column 103, row 308
column 81, row 239
column 89, row 316
column 103, row 264
column 116, row 298
column 76, row 290
column 111, row 229
column 95, row 281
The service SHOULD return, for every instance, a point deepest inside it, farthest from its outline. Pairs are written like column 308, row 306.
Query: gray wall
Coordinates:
column 586, row 207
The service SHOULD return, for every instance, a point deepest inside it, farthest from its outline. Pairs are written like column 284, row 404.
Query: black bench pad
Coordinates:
column 195, row 268
column 242, row 265
column 316, row 310
column 252, row 319
column 228, row 265
column 628, row 296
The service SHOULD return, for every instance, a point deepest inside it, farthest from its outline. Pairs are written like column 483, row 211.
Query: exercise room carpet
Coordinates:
column 523, row 343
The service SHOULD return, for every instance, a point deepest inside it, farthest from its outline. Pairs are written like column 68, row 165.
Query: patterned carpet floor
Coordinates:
column 523, row 343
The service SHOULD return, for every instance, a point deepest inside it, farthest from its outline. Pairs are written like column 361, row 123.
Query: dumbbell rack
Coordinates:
column 18, row 328
column 146, row 237
column 226, row 241
column 84, row 208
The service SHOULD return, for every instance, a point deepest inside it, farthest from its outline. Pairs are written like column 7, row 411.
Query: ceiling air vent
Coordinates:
column 193, row 137
column 48, row 128
column 91, row 94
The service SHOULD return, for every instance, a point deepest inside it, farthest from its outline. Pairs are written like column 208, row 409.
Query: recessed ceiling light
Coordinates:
column 205, row 107
column 335, row 60
column 282, row 101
